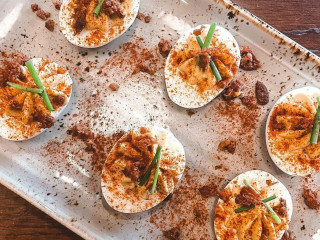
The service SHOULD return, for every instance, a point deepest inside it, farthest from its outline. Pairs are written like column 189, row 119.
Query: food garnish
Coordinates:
column 316, row 126
column 23, row 88
column 271, row 211
column 206, row 44
column 244, row 208
column 156, row 174
column 98, row 8
column 146, row 176
column 38, row 82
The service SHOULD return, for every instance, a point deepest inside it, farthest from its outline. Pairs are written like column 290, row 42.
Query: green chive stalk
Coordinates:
column 23, row 88
column 98, row 8
column 155, row 179
column 244, row 208
column 146, row 176
column 316, row 126
column 38, row 82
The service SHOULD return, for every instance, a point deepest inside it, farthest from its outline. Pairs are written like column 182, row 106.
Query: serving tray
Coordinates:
column 57, row 173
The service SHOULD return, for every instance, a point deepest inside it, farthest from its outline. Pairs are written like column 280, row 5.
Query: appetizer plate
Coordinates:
column 55, row 82
column 81, row 39
column 53, row 172
column 114, row 191
column 259, row 178
column 308, row 95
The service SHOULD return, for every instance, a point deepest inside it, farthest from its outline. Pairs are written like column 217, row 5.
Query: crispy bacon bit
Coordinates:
column 249, row 101
column 10, row 71
column 270, row 183
column 191, row 112
column 204, row 60
column 223, row 83
column 80, row 13
column 228, row 146
column 147, row 19
column 143, row 67
column 262, row 93
column 50, row 25
column 249, row 61
column 224, row 195
column 311, row 198
column 247, row 197
column 44, row 15
column 58, row 100
column 302, row 124
column 114, row 86
column 208, row 190
column 164, row 47
column 281, row 208
column 132, row 171
column 34, row 7
column 141, row 16
column 287, row 236
column 57, row 4
column 112, row 8
column 233, row 91
column 172, row 234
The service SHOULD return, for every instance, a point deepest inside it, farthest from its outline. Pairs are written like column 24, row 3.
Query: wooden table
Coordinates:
column 299, row 19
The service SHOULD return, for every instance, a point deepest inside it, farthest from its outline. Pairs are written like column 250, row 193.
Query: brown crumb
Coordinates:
column 57, row 4
column 208, row 190
column 262, row 93
column 147, row 19
column 311, row 198
column 172, row 234
column 141, row 16
column 34, row 7
column 44, row 15
column 164, row 47
column 249, row 61
column 50, row 25
column 114, row 86
column 287, row 235
column 249, row 101
column 234, row 90
column 228, row 146
column 191, row 112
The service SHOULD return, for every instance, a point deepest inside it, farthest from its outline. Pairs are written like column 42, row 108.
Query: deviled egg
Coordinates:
column 195, row 75
column 289, row 129
column 92, row 23
column 142, row 169
column 256, row 206
column 23, row 111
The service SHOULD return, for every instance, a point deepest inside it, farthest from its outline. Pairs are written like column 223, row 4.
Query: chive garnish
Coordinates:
column 244, row 208
column 98, row 8
column 316, row 126
column 23, row 88
column 202, row 45
column 38, row 82
column 271, row 211
column 148, row 172
column 156, row 174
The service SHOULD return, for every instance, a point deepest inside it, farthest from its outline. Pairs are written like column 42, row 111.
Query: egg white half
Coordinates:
column 185, row 94
column 52, row 81
column 289, row 167
column 258, row 179
column 172, row 147
column 65, row 19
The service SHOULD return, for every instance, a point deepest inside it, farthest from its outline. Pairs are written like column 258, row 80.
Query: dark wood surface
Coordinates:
column 299, row 19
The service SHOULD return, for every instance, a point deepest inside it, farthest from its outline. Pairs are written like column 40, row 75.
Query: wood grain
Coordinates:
column 299, row 19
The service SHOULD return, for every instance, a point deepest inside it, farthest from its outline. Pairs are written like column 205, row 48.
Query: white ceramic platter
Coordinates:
column 66, row 187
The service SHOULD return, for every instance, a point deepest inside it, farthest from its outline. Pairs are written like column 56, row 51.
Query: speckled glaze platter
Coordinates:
column 55, row 173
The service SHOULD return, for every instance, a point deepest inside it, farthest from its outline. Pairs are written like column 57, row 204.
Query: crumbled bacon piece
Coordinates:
column 247, row 197
column 112, row 8
column 147, row 19
column 58, row 100
column 223, row 83
column 191, row 112
column 172, row 234
column 132, row 171
column 197, row 32
column 114, row 86
column 50, row 25
column 228, row 146
column 164, row 47
column 80, row 14
column 141, row 16
column 233, row 91
column 10, row 71
column 281, row 208
column 34, row 7
column 44, row 15
column 262, row 93
column 248, row 59
column 57, row 4
column 143, row 67
column 204, row 60
column 287, row 235
column 311, row 198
